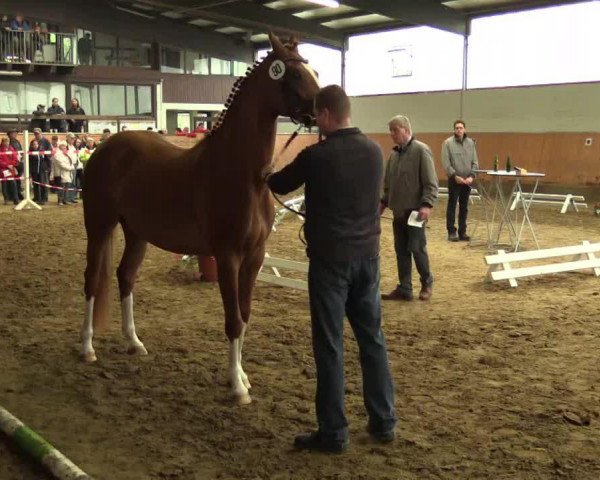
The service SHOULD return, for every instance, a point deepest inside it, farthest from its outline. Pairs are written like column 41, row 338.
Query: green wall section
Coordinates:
column 538, row 109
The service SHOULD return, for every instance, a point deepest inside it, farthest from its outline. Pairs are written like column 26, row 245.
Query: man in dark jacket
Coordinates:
column 342, row 177
column 38, row 122
column 56, row 109
column 41, row 163
column 75, row 109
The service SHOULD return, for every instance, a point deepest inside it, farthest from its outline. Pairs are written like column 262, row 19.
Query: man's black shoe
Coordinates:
column 453, row 237
column 315, row 441
column 464, row 238
column 382, row 437
column 397, row 294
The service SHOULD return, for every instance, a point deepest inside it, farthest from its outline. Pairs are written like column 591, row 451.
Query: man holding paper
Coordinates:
column 410, row 189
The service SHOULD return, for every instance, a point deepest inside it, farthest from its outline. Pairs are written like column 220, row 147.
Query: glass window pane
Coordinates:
column 88, row 97
column 131, row 103
column 407, row 60
column 134, row 54
column 12, row 98
column 239, row 68
column 550, row 45
column 327, row 62
column 220, row 67
column 105, row 56
column 144, row 100
column 37, row 92
column 190, row 58
column 171, row 60
column 104, row 40
column 202, row 65
column 112, row 100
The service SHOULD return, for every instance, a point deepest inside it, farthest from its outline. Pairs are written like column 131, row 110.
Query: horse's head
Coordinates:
column 296, row 82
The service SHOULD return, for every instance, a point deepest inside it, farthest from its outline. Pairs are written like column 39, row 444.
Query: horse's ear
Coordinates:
column 278, row 47
column 292, row 43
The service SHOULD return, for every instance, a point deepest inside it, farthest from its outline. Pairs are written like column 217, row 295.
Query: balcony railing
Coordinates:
column 32, row 47
column 90, row 123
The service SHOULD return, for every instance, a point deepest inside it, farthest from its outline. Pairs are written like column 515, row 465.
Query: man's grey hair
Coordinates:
column 400, row 121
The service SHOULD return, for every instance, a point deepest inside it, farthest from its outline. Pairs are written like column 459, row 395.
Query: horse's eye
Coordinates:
column 296, row 75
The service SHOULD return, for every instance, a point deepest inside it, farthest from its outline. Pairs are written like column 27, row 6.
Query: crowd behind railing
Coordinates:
column 22, row 41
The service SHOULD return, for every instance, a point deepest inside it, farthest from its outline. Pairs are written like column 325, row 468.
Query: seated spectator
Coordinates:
column 75, row 109
column 38, row 123
column 8, row 171
column 62, row 171
column 56, row 109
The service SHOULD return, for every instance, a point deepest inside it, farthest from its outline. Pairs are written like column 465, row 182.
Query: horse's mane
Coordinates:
column 237, row 86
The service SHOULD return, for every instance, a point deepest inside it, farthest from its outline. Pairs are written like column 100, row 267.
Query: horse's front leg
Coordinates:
column 247, row 278
column 228, row 270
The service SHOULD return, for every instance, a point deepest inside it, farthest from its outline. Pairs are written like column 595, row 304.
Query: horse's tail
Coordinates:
column 102, row 300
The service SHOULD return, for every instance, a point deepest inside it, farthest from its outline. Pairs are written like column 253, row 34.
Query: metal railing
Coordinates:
column 37, row 48
column 90, row 123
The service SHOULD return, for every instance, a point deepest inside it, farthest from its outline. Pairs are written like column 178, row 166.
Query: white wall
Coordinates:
column 552, row 108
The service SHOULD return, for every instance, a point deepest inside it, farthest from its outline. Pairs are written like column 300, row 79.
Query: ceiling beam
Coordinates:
column 244, row 14
column 101, row 16
column 415, row 12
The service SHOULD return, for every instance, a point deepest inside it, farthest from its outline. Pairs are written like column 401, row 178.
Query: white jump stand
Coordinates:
column 497, row 204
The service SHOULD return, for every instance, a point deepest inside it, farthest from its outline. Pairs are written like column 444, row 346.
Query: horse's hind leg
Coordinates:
column 97, row 281
column 135, row 248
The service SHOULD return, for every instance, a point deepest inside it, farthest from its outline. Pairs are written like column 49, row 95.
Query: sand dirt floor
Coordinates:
column 491, row 382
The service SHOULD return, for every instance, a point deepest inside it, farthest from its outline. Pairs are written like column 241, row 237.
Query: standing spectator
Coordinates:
column 84, row 155
column 342, row 177
column 459, row 159
column 45, row 165
column 37, row 122
column 39, row 167
column 8, row 171
column 74, row 159
column 410, row 183
column 84, row 49
column 56, row 109
column 14, row 142
column 75, row 109
column 105, row 135
column 20, row 25
column 62, row 169
column 5, row 47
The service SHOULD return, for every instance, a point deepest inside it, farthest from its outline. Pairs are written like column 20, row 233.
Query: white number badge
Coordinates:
column 277, row 70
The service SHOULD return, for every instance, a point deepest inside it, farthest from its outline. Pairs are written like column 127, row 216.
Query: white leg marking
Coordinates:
column 238, row 390
column 243, row 375
column 128, row 327
column 87, row 332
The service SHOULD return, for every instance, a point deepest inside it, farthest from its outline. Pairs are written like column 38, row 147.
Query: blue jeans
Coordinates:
column 351, row 288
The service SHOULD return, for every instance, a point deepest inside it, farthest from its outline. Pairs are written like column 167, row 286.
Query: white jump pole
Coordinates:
column 27, row 202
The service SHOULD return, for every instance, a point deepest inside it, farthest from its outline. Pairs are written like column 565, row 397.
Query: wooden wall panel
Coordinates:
column 196, row 88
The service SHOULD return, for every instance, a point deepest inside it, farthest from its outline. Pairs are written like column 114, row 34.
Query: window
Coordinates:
column 112, row 99
column 24, row 97
column 134, row 54
column 406, row 60
column 239, row 68
column 88, row 97
column 171, row 60
column 550, row 45
column 220, row 67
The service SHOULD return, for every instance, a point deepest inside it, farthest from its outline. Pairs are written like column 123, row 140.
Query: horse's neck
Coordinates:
column 249, row 127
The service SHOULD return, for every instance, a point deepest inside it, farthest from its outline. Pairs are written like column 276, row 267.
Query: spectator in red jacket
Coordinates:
column 9, row 160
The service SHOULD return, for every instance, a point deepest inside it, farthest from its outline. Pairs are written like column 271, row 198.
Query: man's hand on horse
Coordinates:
column 267, row 171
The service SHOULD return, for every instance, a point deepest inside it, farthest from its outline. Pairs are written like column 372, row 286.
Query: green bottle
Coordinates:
column 496, row 163
column 508, row 164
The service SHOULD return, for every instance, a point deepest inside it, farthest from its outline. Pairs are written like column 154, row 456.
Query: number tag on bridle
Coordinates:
column 277, row 70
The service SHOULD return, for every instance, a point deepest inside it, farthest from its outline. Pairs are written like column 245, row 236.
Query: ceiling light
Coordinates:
column 326, row 3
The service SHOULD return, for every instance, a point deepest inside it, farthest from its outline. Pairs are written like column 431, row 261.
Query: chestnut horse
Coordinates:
column 207, row 200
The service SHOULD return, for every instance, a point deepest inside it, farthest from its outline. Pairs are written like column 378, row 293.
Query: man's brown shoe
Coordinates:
column 425, row 293
column 397, row 294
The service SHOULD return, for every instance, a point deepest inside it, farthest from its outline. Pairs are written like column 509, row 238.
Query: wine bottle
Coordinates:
column 496, row 163
column 508, row 164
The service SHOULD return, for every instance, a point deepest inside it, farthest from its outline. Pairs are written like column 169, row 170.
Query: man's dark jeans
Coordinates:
column 411, row 242
column 457, row 193
column 351, row 288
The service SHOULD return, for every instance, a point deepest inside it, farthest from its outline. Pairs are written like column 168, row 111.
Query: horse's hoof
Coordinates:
column 89, row 357
column 137, row 350
column 243, row 399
